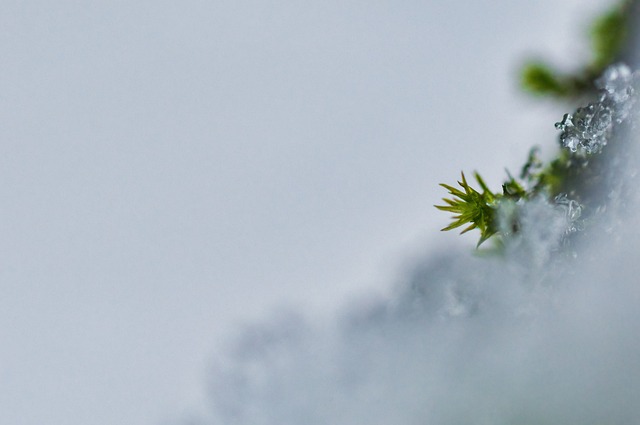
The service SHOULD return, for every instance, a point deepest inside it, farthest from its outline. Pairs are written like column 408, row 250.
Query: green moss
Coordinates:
column 477, row 209
column 607, row 34
column 540, row 79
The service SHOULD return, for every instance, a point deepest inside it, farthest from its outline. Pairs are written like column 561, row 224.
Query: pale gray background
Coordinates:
column 171, row 169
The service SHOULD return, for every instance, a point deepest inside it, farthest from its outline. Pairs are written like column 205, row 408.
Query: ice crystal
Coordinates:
column 589, row 128
column 572, row 212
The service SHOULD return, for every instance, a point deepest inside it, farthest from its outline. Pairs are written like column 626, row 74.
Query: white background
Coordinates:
column 169, row 170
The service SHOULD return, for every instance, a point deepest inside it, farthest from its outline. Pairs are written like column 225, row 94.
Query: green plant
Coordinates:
column 479, row 209
column 607, row 35
column 584, row 135
column 472, row 208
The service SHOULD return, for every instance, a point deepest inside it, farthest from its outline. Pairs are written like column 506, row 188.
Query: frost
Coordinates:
column 589, row 128
column 521, row 219
column 538, row 228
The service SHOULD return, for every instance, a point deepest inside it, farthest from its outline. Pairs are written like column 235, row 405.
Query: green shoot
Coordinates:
column 475, row 209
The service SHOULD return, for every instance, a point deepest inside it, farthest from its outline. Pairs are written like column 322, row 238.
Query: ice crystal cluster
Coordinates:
column 588, row 129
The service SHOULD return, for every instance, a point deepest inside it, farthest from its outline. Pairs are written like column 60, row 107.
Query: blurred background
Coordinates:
column 172, row 170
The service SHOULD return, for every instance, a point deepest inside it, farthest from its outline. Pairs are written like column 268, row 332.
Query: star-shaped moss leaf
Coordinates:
column 475, row 209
